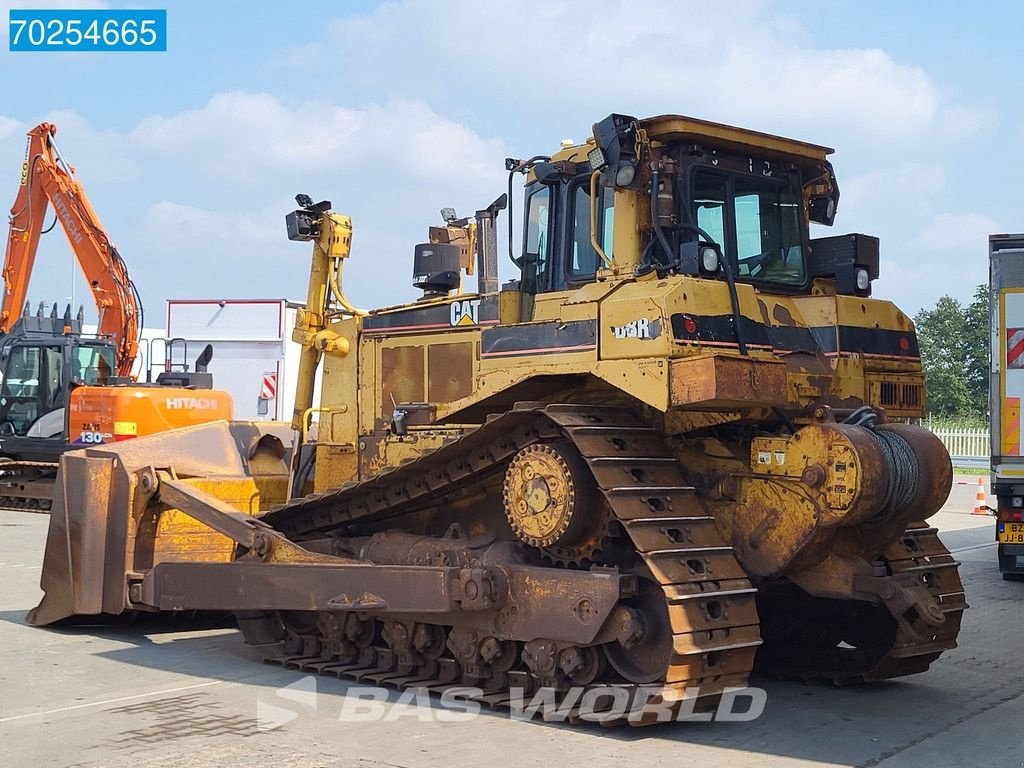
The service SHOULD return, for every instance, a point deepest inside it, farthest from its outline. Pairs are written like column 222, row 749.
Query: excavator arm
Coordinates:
column 47, row 179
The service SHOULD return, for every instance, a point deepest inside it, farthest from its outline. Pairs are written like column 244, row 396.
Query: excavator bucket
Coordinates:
column 105, row 526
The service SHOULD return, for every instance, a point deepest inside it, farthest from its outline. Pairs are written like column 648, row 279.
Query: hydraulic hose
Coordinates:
column 662, row 240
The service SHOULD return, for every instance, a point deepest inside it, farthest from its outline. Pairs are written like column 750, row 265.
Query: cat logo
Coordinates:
column 465, row 312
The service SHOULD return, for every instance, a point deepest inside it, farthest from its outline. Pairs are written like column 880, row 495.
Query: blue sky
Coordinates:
column 393, row 110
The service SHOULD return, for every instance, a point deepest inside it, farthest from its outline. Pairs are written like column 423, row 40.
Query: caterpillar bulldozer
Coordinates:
column 60, row 388
column 673, row 448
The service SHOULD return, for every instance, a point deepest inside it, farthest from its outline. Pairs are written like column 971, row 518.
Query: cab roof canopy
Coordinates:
column 679, row 128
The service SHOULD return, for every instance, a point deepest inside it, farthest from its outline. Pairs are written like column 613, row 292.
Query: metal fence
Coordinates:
column 971, row 443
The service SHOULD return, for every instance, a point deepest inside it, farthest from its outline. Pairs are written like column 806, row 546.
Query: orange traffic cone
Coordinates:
column 980, row 506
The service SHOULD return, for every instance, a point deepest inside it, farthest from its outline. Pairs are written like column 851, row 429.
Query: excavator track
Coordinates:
column 27, row 485
column 706, row 603
column 709, row 603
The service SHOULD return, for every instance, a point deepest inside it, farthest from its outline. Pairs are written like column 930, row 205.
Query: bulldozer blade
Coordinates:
column 104, row 528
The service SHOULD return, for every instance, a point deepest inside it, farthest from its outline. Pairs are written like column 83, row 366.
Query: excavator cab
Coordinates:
column 42, row 360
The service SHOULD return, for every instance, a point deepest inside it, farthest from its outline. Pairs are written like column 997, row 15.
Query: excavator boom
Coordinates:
column 48, row 180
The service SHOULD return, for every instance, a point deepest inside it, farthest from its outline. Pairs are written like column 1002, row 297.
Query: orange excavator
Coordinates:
column 61, row 388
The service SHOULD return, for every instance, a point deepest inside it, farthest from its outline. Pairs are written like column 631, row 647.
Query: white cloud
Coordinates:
column 965, row 233
column 918, row 285
column 178, row 227
column 240, row 135
column 391, row 166
column 8, row 127
column 750, row 65
column 908, row 185
column 98, row 156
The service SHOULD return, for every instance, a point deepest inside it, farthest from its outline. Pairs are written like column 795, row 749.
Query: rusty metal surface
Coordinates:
column 444, row 608
column 402, row 377
column 677, row 535
column 825, row 490
column 97, row 530
column 859, row 641
column 449, row 371
column 695, row 601
column 516, row 600
column 725, row 382
column 249, row 585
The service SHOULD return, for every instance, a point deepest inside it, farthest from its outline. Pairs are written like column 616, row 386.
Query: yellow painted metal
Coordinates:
column 627, row 243
column 329, row 251
column 509, row 306
column 104, row 520
column 798, row 498
column 336, row 444
column 786, row 503
column 179, row 537
column 539, row 496
column 682, row 128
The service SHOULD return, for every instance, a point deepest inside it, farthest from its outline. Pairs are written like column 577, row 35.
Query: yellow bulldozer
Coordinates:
column 674, row 447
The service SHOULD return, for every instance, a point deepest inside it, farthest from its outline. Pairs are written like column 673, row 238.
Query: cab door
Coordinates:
column 33, row 385
column 558, row 254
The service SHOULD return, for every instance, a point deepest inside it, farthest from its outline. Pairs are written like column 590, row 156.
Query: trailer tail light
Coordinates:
column 1012, row 512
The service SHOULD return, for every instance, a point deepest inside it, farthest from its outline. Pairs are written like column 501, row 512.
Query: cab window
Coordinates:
column 768, row 242
column 92, row 365
column 22, row 378
column 32, row 387
column 756, row 220
column 537, row 239
column 709, row 196
column 583, row 259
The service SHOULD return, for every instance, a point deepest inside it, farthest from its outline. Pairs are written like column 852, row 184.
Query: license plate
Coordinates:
column 1010, row 533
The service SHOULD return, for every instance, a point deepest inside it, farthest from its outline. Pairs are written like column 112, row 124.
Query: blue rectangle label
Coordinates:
column 87, row 30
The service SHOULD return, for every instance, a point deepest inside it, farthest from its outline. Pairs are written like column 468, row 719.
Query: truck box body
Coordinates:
column 254, row 357
column 1006, row 394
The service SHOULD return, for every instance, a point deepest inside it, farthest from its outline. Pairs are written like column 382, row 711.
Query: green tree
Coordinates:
column 954, row 344
column 978, row 342
column 940, row 333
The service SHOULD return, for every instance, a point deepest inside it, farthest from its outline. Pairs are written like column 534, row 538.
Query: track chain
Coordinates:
column 27, row 485
column 873, row 646
column 708, row 601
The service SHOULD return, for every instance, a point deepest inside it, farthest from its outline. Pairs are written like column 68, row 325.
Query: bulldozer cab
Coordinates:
column 707, row 201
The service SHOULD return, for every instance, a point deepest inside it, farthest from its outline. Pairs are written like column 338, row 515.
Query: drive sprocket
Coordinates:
column 551, row 503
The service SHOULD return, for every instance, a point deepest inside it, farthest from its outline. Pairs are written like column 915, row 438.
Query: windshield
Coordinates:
column 757, row 223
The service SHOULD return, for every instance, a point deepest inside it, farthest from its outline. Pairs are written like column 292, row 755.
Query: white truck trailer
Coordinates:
column 1006, row 393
